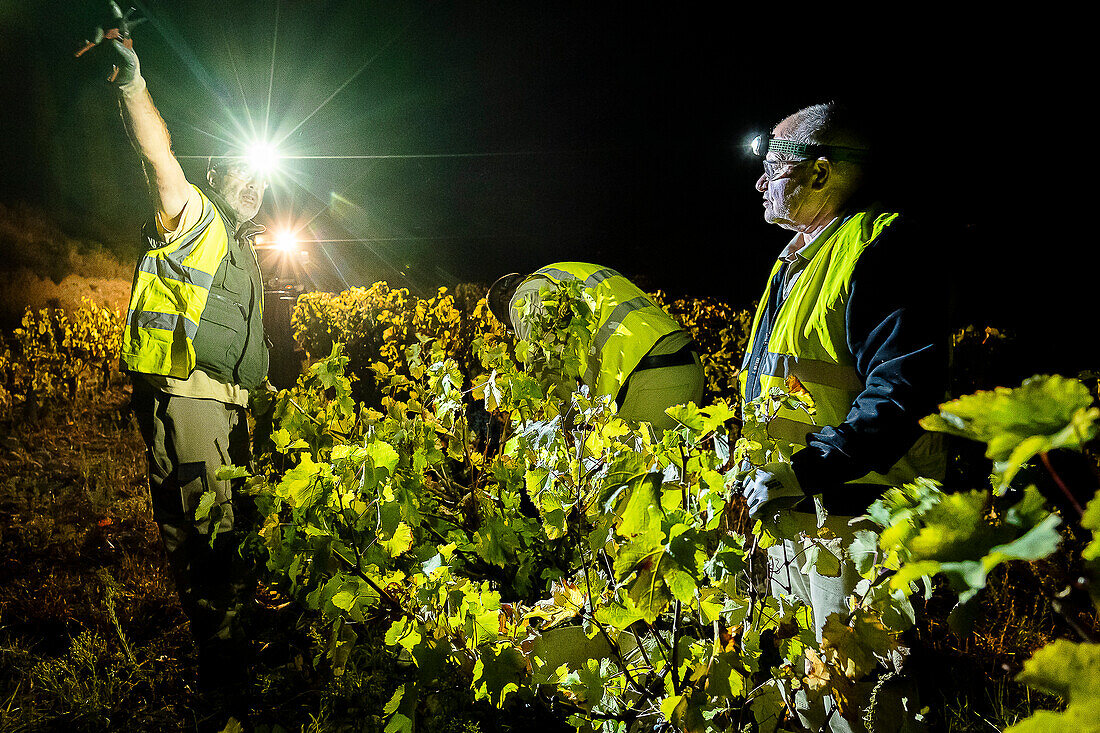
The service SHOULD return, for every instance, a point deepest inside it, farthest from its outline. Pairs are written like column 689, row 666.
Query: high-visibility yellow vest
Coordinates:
column 629, row 322
column 197, row 302
column 809, row 342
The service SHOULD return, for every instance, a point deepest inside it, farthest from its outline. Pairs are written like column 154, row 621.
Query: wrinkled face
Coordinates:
column 785, row 185
column 785, row 190
column 241, row 186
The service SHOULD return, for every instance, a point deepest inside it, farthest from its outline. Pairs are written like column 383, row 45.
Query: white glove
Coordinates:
column 764, row 488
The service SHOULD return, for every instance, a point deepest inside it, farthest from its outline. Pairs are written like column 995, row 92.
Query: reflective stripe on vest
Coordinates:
column 815, row 371
column 163, row 322
column 170, row 269
column 629, row 322
column 171, row 286
column 809, row 342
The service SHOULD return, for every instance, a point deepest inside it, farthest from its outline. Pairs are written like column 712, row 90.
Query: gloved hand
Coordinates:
column 118, row 53
column 764, row 489
column 126, row 71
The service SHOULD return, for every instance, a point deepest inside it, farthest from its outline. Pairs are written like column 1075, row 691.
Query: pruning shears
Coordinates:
column 118, row 29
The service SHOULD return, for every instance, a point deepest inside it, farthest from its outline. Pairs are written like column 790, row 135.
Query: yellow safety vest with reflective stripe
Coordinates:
column 172, row 287
column 809, row 343
column 629, row 322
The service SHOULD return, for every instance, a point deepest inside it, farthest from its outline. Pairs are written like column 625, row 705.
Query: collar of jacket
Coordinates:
column 871, row 208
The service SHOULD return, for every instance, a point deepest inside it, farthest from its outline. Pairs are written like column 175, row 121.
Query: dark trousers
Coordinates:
column 186, row 441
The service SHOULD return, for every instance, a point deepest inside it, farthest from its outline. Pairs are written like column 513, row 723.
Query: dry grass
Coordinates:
column 41, row 266
column 91, row 633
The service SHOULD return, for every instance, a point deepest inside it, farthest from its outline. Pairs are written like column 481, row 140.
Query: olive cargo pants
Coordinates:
column 187, row 440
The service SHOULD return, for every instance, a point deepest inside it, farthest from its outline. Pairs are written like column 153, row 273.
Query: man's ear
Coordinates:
column 211, row 176
column 821, row 173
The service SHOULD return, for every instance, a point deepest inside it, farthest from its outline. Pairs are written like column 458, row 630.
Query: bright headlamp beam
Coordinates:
column 262, row 157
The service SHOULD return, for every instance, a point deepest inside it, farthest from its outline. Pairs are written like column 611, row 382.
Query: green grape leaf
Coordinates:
column 641, row 510
column 206, row 502
column 891, row 604
column 1043, row 413
column 592, row 680
column 340, row 646
column 381, row 460
column 853, row 648
column 687, row 415
column 404, row 631
column 399, row 723
column 1091, row 552
column 399, row 542
column 1091, row 520
column 619, row 616
column 1038, row 542
column 823, row 557
column 499, row 671
column 495, row 541
column 727, row 677
column 681, row 584
column 671, row 707
column 968, row 576
column 1077, row 719
column 717, row 414
column 863, row 550
column 911, row 572
column 952, row 529
column 344, row 600
column 711, row 604
column 768, row 708
column 1068, row 669
column 1071, row 671
column 300, row 485
column 230, row 472
column 644, row 556
column 281, row 439
column 795, row 632
column 728, row 559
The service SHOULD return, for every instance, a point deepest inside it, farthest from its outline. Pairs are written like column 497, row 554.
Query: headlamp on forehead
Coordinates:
column 259, row 158
column 761, row 146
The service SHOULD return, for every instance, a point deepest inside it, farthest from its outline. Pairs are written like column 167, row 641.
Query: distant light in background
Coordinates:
column 286, row 241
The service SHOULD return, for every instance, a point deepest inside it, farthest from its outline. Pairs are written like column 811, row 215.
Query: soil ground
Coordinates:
column 81, row 563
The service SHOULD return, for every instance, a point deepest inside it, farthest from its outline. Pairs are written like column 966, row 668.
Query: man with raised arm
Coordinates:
column 851, row 315
column 194, row 345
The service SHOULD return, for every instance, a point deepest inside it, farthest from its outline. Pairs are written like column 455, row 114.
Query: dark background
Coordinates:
column 525, row 133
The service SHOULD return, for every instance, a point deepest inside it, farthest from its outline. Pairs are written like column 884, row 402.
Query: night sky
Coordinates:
column 518, row 134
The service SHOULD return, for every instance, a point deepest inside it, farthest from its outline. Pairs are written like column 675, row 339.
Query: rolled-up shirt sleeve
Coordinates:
column 898, row 334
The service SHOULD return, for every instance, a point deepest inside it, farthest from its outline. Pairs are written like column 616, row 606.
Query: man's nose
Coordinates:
column 762, row 183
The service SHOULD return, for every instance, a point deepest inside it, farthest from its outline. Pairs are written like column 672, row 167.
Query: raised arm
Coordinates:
column 149, row 135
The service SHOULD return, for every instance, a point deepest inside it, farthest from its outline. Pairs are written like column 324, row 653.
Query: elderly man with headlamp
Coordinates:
column 850, row 314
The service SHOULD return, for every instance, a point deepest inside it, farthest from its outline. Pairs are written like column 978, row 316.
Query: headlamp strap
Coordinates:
column 808, row 150
column 787, row 147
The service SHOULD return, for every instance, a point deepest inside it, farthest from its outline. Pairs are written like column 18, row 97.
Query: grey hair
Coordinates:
column 828, row 123
column 832, row 123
